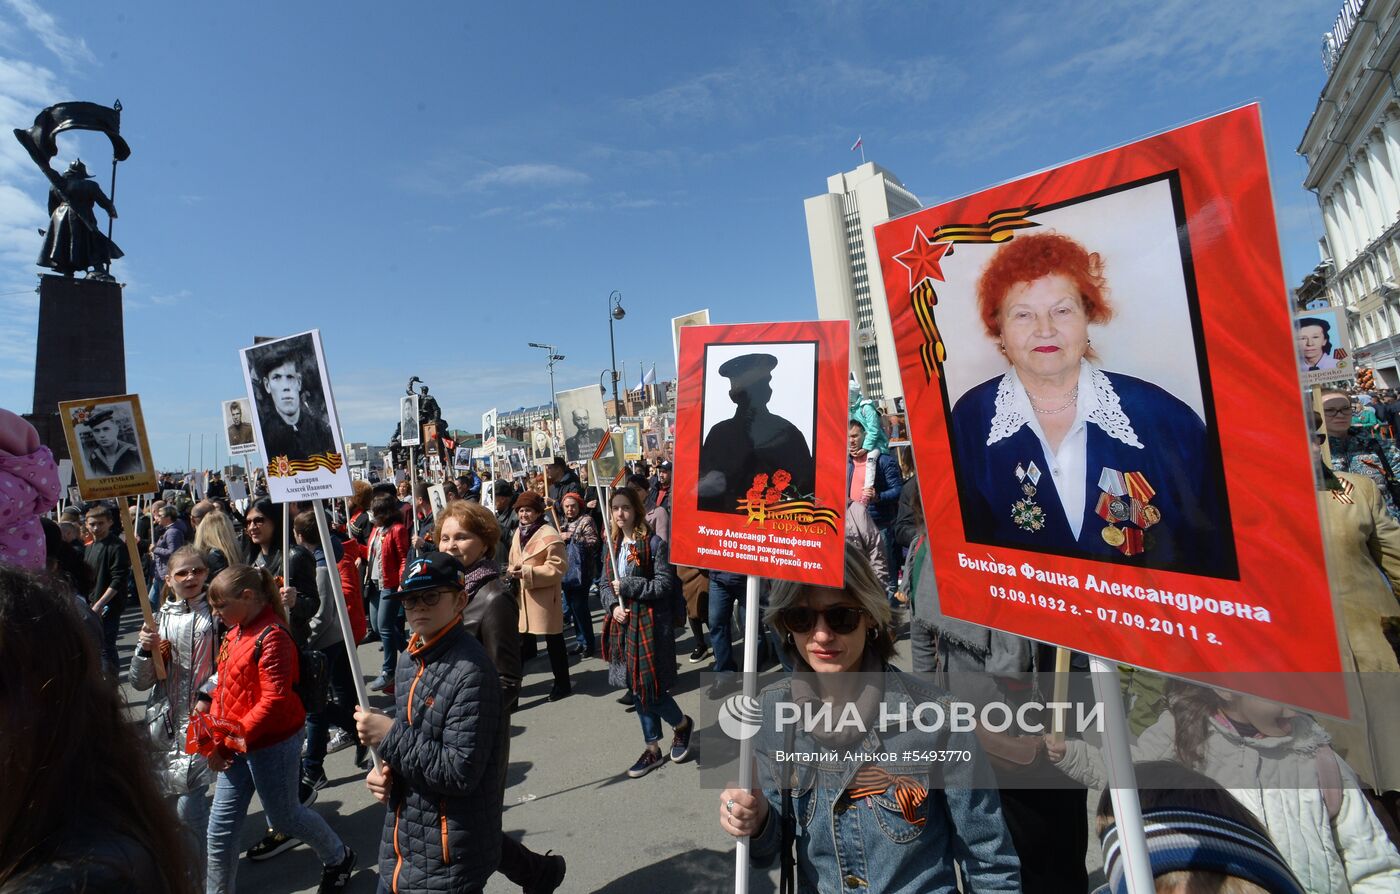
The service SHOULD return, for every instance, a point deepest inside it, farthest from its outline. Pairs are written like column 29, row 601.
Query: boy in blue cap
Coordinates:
column 441, row 757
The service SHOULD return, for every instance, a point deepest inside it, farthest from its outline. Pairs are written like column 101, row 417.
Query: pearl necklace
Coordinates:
column 1073, row 398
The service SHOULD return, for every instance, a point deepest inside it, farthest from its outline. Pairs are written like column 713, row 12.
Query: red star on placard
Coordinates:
column 922, row 258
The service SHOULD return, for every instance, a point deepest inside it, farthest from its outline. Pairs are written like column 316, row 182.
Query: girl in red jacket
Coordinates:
column 257, row 667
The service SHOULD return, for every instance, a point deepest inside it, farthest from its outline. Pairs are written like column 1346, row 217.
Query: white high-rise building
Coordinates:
column 1352, row 146
column 846, row 269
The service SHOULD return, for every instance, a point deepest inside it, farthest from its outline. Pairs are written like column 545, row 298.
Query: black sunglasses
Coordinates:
column 842, row 619
column 429, row 598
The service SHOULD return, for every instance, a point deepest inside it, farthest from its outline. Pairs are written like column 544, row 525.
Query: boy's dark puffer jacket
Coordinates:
column 443, row 828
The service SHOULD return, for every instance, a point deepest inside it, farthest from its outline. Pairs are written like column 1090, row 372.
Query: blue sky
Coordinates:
column 434, row 185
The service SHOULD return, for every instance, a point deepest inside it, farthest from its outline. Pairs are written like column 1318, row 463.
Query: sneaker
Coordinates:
column 308, row 787
column 649, row 761
column 335, row 878
column 549, row 876
column 724, row 685
column 699, row 654
column 339, row 741
column 680, row 744
column 382, row 683
column 274, row 844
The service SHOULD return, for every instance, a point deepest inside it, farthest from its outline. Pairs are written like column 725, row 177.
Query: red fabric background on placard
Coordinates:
column 822, row 565
column 1249, row 344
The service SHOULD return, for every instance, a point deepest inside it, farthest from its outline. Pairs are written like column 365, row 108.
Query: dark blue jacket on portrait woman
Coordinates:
column 1192, row 534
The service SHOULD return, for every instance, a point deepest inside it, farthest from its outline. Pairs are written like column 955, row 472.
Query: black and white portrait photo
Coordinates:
column 285, row 381
column 410, row 435
column 295, row 419
column 585, row 424
column 238, row 427
column 541, row 442
column 437, row 496
column 108, row 437
column 759, row 418
column 488, row 431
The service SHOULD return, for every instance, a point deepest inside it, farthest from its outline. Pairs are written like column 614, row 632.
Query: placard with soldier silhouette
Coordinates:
column 760, row 449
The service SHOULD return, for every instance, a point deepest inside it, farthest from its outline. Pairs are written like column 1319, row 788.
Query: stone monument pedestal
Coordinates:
column 81, row 349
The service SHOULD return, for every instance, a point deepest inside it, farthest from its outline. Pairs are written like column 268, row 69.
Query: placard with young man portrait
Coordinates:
column 294, row 414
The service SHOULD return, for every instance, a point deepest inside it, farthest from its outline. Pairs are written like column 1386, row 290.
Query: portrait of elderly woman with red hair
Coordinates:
column 1060, row 456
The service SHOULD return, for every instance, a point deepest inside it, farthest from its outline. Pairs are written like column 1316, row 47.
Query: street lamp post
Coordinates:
column 554, row 357
column 615, row 312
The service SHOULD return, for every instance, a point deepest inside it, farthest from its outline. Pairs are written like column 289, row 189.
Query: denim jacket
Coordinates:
column 845, row 845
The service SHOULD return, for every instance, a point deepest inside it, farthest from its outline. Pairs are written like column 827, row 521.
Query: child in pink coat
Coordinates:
column 29, row 486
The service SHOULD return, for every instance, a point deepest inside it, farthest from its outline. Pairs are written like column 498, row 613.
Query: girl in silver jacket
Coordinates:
column 187, row 640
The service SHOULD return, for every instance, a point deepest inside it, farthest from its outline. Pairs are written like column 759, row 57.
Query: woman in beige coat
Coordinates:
column 1363, row 546
column 538, row 561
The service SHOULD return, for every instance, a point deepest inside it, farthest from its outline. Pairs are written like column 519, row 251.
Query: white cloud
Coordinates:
column 532, row 175
column 764, row 85
column 72, row 50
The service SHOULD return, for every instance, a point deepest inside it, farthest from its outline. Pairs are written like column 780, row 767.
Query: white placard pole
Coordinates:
column 286, row 544
column 1118, row 760
column 413, row 493
column 741, row 852
column 347, row 635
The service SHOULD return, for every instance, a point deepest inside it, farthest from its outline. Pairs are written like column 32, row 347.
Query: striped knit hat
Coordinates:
column 1195, row 840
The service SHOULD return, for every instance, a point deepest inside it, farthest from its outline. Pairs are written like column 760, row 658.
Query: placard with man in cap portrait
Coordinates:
column 754, row 440
column 108, row 437
column 760, row 450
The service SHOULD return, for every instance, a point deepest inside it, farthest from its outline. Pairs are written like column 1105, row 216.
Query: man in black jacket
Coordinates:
column 111, row 572
column 562, row 480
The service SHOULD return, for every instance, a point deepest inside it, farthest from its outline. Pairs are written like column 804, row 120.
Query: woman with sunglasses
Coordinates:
column 638, row 642
column 1358, row 450
column 891, row 826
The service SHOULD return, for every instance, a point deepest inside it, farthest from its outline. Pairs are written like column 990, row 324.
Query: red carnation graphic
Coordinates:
column 781, row 479
column 773, row 495
column 760, row 481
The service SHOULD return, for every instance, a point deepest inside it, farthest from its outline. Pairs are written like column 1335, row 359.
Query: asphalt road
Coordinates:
column 567, row 792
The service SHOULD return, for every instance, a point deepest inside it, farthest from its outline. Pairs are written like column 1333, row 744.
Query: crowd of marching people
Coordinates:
column 251, row 687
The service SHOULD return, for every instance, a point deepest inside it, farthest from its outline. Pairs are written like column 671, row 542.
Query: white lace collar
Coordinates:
column 1098, row 403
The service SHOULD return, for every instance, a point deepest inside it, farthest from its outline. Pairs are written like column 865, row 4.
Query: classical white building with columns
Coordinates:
column 1352, row 147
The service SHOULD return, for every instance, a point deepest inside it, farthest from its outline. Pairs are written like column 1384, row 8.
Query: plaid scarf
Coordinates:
column 633, row 644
